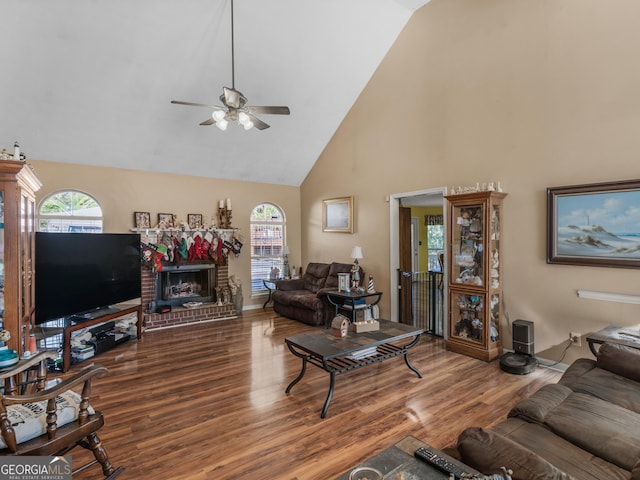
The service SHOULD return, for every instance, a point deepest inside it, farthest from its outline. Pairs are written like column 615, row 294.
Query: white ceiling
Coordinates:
column 90, row 81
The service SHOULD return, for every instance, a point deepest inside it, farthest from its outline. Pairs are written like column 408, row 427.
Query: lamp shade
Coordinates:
column 356, row 252
column 285, row 249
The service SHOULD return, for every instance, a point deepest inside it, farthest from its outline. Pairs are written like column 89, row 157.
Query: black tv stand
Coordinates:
column 71, row 325
column 93, row 314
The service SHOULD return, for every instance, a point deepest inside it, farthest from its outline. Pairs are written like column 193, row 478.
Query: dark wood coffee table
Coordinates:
column 341, row 355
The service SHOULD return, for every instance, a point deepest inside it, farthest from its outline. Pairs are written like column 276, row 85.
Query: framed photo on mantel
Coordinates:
column 194, row 220
column 142, row 219
column 595, row 225
column 167, row 218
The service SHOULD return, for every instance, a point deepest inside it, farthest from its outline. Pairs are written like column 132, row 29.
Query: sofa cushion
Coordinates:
column 600, row 427
column 488, row 451
column 576, row 416
column 620, row 359
column 536, row 407
column 610, row 387
column 576, row 370
column 293, row 284
column 561, row 453
column 315, row 275
column 334, row 270
column 29, row 420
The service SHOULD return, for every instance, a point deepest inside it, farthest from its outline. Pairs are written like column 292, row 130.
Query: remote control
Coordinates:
column 433, row 458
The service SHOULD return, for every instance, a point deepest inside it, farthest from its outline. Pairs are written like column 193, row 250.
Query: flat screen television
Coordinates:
column 80, row 273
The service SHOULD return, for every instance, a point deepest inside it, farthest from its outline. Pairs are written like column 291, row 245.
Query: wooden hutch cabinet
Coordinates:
column 18, row 185
column 475, row 274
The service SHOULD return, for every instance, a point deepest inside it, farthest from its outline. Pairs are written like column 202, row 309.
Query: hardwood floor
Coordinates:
column 208, row 402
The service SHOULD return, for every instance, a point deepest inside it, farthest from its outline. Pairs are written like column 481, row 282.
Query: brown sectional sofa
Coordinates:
column 585, row 427
column 304, row 299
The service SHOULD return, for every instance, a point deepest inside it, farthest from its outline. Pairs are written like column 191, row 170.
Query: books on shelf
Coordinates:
column 364, row 353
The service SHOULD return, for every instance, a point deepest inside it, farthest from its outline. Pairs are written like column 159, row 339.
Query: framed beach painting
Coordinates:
column 596, row 224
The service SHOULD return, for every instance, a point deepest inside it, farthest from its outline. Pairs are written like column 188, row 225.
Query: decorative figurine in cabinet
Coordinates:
column 475, row 274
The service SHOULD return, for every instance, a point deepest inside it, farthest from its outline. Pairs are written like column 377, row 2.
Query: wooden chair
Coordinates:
column 26, row 383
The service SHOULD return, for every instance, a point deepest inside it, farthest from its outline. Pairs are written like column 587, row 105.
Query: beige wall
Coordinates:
column 531, row 93
column 122, row 192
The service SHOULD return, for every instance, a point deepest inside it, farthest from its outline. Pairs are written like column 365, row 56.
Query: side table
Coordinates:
column 347, row 301
column 270, row 285
column 628, row 336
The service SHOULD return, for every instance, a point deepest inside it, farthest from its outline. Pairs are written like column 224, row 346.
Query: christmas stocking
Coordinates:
column 206, row 245
column 197, row 246
column 160, row 251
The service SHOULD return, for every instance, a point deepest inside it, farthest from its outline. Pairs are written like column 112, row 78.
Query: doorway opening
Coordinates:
column 418, row 223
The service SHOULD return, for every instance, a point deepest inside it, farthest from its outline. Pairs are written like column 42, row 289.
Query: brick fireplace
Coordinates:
column 180, row 316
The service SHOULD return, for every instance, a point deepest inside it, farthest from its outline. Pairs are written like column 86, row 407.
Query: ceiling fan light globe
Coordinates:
column 222, row 124
column 248, row 125
column 243, row 118
column 218, row 115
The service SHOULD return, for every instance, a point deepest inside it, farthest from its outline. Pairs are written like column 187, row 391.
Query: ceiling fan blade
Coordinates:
column 269, row 110
column 208, row 121
column 191, row 104
column 259, row 124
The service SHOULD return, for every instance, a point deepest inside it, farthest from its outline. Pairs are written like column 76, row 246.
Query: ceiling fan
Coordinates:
column 235, row 103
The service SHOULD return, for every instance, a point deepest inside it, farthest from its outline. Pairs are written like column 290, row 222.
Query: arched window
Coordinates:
column 70, row 211
column 267, row 242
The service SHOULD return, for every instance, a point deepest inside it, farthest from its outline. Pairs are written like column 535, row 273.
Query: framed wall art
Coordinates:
column 142, row 219
column 596, row 224
column 337, row 215
column 194, row 220
column 167, row 218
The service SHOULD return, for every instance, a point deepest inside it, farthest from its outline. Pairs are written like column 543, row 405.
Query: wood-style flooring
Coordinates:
column 208, row 402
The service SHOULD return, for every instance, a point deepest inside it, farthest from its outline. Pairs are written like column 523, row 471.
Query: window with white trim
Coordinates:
column 70, row 211
column 267, row 225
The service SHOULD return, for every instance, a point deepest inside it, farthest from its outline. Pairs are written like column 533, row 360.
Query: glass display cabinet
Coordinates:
column 475, row 274
column 18, row 185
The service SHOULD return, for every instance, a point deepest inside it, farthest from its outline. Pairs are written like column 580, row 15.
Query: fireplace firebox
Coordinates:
column 189, row 283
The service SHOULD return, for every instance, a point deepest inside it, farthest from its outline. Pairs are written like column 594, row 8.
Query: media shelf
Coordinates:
column 56, row 334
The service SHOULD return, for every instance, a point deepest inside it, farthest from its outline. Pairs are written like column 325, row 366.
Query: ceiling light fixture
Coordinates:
column 235, row 108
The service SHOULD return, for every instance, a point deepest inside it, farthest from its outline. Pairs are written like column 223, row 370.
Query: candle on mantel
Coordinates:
column 228, row 204
column 221, row 204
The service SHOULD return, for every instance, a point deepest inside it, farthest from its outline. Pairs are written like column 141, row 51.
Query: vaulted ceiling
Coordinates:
column 91, row 81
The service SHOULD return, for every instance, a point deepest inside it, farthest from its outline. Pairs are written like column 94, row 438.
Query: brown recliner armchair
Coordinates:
column 39, row 418
column 304, row 299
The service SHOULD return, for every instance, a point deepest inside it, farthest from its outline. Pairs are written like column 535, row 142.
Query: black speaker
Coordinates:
column 522, row 333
